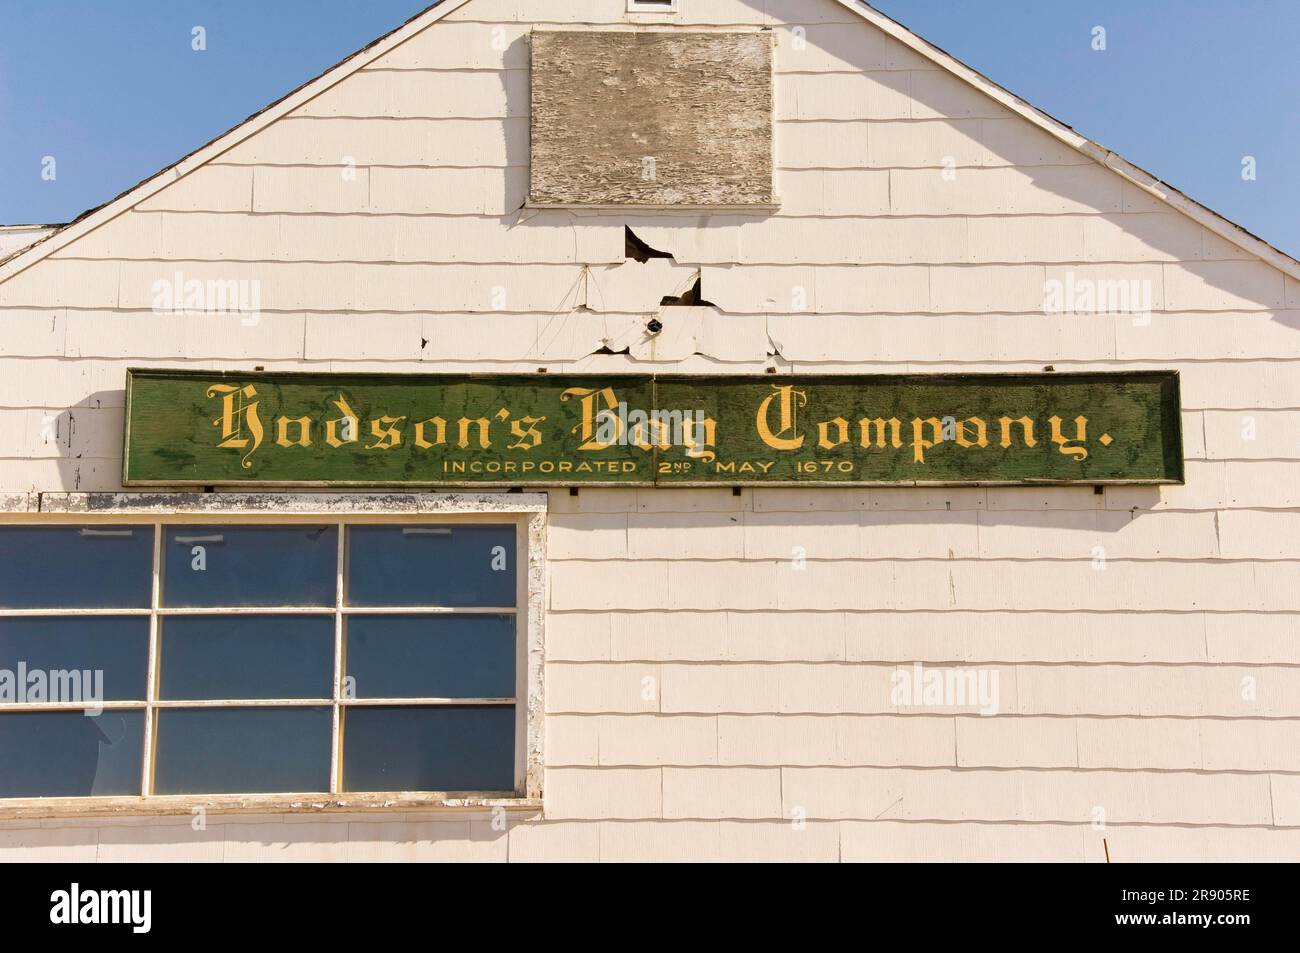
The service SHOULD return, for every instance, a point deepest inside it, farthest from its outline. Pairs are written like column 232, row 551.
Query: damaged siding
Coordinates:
column 14, row 238
column 919, row 226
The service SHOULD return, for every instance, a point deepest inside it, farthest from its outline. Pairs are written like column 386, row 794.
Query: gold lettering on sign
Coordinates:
column 525, row 428
column 484, row 429
column 349, row 422
column 1081, row 435
column 981, row 438
column 824, row 438
column 238, row 410
column 787, row 423
column 439, row 433
column 699, row 444
column 877, row 424
column 836, row 442
column 282, row 425
column 1026, row 430
column 587, row 428
column 386, row 433
column 919, row 443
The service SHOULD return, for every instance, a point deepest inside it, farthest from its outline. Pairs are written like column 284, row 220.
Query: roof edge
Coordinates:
column 1223, row 227
column 353, row 62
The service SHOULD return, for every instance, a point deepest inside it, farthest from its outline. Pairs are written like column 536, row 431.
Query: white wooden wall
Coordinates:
column 1163, row 689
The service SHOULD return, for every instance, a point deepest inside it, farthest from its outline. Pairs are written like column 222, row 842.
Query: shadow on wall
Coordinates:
column 83, row 442
column 1165, row 234
column 1029, row 161
column 1067, row 523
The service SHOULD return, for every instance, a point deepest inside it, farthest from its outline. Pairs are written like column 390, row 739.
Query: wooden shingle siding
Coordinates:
column 700, row 687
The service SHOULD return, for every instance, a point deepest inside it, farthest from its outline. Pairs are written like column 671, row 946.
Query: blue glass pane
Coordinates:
column 463, row 565
column 67, row 754
column 400, row 656
column 76, row 567
column 238, row 657
column 243, row 751
column 103, row 658
column 249, row 565
column 453, row 748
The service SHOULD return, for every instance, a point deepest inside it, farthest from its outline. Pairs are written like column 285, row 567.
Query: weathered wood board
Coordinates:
column 209, row 428
column 651, row 118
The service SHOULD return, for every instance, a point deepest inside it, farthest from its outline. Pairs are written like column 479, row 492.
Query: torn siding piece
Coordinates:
column 637, row 286
column 14, row 238
column 648, row 118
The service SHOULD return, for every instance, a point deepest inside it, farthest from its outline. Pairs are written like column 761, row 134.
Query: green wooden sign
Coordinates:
column 207, row 428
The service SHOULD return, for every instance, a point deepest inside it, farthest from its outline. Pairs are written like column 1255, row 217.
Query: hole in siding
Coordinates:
column 606, row 349
column 637, row 250
column 692, row 298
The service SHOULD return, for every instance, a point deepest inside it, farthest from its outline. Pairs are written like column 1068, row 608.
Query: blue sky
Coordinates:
column 1184, row 88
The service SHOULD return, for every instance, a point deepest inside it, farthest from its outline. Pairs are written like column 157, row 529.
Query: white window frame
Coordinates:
column 527, row 512
column 653, row 6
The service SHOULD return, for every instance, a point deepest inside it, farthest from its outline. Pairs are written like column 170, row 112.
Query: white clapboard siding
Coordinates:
column 717, row 662
column 342, row 141
column 425, row 94
column 1024, row 689
column 873, row 585
column 1129, row 797
column 460, row 46
column 1252, row 434
column 841, row 96
column 545, row 238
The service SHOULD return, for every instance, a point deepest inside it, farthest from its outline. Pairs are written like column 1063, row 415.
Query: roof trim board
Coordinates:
column 89, row 221
column 1138, row 176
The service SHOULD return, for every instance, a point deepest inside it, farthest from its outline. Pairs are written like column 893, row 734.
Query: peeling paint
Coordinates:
column 332, row 504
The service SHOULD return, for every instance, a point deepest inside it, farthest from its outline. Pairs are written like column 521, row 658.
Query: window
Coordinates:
column 651, row 6
column 329, row 657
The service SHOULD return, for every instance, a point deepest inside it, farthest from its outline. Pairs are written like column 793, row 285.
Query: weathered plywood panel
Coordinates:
column 652, row 118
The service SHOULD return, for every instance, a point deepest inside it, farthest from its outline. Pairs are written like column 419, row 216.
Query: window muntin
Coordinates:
column 245, row 695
